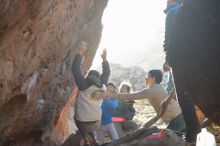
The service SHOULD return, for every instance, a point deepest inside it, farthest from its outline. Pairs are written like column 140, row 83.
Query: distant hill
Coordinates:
column 135, row 75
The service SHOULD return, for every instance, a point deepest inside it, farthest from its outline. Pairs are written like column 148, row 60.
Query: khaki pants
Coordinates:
column 110, row 128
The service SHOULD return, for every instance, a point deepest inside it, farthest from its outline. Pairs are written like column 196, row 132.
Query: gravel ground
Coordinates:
column 144, row 112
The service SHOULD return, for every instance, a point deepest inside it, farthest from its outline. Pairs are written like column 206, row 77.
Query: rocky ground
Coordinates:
column 144, row 112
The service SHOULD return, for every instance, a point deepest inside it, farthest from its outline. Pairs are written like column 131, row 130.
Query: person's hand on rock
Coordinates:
column 82, row 48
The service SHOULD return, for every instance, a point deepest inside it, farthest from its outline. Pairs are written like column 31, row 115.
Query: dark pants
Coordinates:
column 86, row 128
column 189, row 114
column 125, row 127
column 177, row 124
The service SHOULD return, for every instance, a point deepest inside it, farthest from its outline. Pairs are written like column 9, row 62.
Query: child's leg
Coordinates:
column 119, row 129
column 101, row 135
column 112, row 131
column 94, row 137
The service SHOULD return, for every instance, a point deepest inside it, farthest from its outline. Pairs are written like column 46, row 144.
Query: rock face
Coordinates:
column 194, row 55
column 38, row 41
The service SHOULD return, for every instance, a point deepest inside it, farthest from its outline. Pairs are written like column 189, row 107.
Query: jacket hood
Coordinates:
column 94, row 80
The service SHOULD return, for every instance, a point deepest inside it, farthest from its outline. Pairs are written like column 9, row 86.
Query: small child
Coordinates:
column 123, row 117
column 108, row 110
column 87, row 109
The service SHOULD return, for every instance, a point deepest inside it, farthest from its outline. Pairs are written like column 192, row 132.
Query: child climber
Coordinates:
column 88, row 110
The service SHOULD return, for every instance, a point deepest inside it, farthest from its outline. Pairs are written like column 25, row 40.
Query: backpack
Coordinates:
column 125, row 110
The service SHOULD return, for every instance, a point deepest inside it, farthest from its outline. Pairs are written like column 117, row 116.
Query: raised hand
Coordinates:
column 82, row 48
column 104, row 55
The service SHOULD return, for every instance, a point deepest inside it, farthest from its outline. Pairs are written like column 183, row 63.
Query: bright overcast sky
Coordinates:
column 133, row 33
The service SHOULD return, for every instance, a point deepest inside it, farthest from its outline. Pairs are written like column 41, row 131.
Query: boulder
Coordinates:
column 38, row 41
